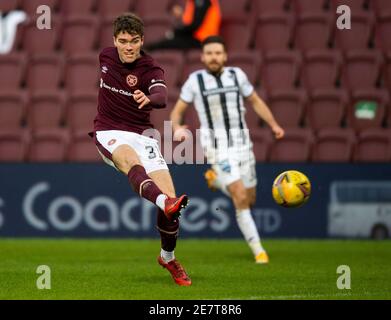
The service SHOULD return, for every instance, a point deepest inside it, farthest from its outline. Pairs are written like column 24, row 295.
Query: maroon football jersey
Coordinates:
column 117, row 110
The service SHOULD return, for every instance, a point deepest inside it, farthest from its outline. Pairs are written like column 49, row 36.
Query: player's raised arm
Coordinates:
column 265, row 114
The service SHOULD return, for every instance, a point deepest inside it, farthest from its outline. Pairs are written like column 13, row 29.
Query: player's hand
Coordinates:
column 278, row 132
column 181, row 133
column 141, row 98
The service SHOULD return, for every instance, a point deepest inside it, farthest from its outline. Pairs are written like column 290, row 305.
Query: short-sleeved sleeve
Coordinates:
column 187, row 91
column 245, row 87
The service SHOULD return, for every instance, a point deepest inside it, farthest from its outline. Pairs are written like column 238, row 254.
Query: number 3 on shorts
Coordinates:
column 151, row 152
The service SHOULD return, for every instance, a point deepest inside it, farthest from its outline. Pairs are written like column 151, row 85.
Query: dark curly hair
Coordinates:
column 130, row 23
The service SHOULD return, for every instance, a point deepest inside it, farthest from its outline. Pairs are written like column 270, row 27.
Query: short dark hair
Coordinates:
column 213, row 39
column 130, row 23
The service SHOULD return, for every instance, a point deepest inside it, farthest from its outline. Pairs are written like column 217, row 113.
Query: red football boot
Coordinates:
column 178, row 273
column 173, row 207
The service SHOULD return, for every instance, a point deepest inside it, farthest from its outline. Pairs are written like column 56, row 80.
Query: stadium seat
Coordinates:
column 313, row 31
column 356, row 6
column 383, row 31
column 235, row 8
column 334, row 145
column 105, row 32
column 237, row 32
column 367, row 109
column 387, row 71
column 274, row 32
column 307, row 6
column 172, row 63
column 373, row 145
column 12, row 110
column 79, row 34
column 12, row 70
column 155, row 27
column 82, row 74
column 321, row 69
column 280, row 70
column 326, row 108
column 362, row 69
column 77, row 7
column 262, row 139
column 36, row 41
column 30, row 6
column 380, row 7
column 270, row 7
column 288, row 106
column 45, row 110
column 82, row 148
column 80, row 111
column 294, row 147
column 113, row 8
column 48, row 145
column 146, row 8
column 248, row 61
column 13, row 145
column 359, row 36
column 192, row 63
column 9, row 5
column 44, row 72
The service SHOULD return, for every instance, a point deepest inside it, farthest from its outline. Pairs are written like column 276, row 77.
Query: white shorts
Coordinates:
column 236, row 166
column 146, row 148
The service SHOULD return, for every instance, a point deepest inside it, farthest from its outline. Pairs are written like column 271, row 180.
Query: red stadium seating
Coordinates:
column 334, row 145
column 12, row 68
column 294, row 147
column 111, row 8
column 79, row 34
column 326, row 108
column 30, row 6
column 288, row 106
column 36, row 41
column 362, row 69
column 12, row 110
column 13, row 145
column 155, row 27
column 45, row 110
column 308, row 6
column 9, row 5
column 248, row 61
column 192, row 63
column 237, row 32
column 373, row 145
column 380, row 6
column 77, row 7
column 172, row 63
column 262, row 139
column 387, row 71
column 383, row 31
column 105, row 33
column 359, row 36
column 356, row 6
column 82, row 148
column 360, row 120
column 267, row 6
column 280, row 70
column 44, row 73
column 321, row 69
column 82, row 74
column 151, row 7
column 48, row 145
column 313, row 31
column 235, row 8
column 80, row 111
column 274, row 32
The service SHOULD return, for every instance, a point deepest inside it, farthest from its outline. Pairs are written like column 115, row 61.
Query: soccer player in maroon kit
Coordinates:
column 131, row 86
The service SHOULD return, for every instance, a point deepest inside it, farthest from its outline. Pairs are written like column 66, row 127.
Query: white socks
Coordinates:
column 160, row 201
column 167, row 255
column 249, row 230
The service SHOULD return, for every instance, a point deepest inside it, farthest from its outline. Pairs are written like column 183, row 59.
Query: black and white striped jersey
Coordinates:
column 220, row 107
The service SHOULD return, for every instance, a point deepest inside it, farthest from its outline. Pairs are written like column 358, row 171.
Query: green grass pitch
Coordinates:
column 220, row 269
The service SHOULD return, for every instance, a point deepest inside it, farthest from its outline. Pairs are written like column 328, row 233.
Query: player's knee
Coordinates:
column 125, row 164
column 240, row 200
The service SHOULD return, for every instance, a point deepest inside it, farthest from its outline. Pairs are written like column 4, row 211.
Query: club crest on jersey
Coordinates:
column 131, row 80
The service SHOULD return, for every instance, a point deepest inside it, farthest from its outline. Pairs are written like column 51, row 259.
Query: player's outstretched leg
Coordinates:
column 147, row 189
column 168, row 234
